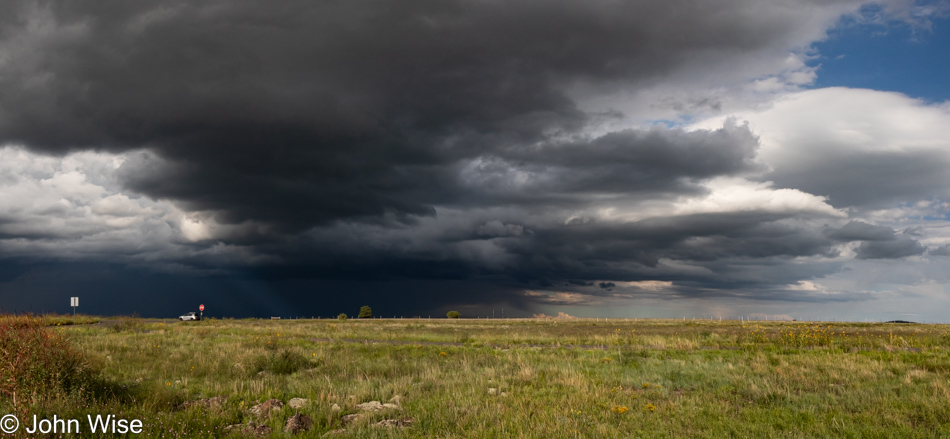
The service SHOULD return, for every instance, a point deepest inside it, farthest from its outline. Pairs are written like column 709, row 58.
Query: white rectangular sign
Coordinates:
column 73, row 301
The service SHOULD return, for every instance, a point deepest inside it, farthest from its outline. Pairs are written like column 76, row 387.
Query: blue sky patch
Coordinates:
column 897, row 57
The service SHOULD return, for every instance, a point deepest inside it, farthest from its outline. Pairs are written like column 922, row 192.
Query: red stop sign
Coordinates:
column 201, row 307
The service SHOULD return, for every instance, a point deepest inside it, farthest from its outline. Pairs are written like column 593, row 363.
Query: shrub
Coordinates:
column 37, row 363
column 131, row 324
column 341, row 317
column 284, row 362
column 453, row 314
column 366, row 312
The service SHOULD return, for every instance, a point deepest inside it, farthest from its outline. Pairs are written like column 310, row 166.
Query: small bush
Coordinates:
column 131, row 324
column 284, row 362
column 453, row 314
column 342, row 317
column 366, row 312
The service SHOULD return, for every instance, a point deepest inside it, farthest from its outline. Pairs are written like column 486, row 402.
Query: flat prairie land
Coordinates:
column 531, row 378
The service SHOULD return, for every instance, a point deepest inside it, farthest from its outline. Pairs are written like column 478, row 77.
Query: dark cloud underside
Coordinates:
column 302, row 113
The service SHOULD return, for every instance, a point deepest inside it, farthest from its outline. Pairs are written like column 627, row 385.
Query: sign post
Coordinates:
column 201, row 309
column 74, row 302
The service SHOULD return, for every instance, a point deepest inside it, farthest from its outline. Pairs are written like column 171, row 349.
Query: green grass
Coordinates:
column 58, row 320
column 523, row 378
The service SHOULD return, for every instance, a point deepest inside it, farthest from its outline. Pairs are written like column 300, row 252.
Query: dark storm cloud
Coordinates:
column 700, row 237
column 943, row 250
column 861, row 231
column 867, row 178
column 706, row 255
column 743, row 255
column 629, row 164
column 899, row 247
column 878, row 242
column 302, row 113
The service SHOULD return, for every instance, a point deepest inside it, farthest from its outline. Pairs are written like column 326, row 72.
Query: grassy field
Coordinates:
column 508, row 378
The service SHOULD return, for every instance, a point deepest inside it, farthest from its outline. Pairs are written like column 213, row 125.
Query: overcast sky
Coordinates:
column 642, row 158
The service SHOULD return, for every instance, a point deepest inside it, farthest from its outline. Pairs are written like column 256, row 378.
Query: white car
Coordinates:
column 189, row 316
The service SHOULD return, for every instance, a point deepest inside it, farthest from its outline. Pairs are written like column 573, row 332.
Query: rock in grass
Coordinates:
column 265, row 408
column 296, row 403
column 375, row 406
column 404, row 422
column 334, row 432
column 335, row 407
column 298, row 423
column 370, row 406
column 214, row 403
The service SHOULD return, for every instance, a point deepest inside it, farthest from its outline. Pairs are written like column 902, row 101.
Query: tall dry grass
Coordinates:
column 37, row 363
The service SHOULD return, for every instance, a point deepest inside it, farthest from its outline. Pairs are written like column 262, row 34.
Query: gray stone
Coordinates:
column 375, row 406
column 370, row 406
column 298, row 423
column 296, row 403
column 404, row 422
column 265, row 408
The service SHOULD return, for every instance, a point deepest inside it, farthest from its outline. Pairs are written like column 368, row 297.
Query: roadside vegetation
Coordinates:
column 499, row 378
